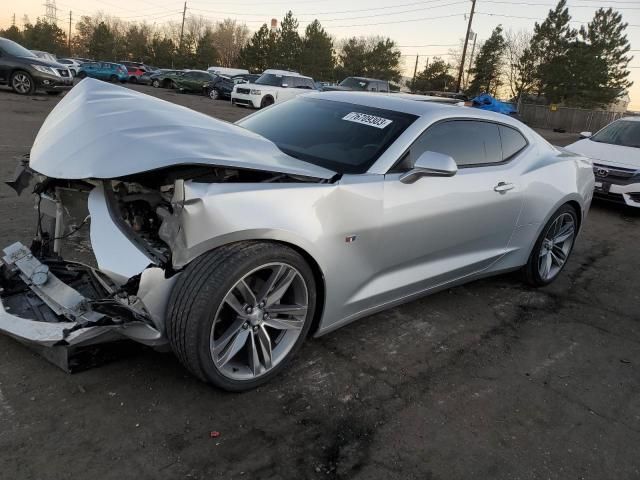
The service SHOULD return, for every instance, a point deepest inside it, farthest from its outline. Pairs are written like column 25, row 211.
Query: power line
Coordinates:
column 536, row 18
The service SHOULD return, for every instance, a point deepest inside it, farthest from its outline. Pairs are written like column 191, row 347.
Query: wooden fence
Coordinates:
column 574, row 120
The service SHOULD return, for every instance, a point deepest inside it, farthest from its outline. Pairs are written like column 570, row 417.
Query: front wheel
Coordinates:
column 553, row 247
column 155, row 84
column 213, row 94
column 239, row 313
column 266, row 101
column 22, row 83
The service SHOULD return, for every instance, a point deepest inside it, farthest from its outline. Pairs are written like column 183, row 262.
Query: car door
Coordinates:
column 440, row 229
column 290, row 91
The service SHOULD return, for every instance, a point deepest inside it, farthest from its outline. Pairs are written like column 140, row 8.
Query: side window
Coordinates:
column 468, row 142
column 512, row 142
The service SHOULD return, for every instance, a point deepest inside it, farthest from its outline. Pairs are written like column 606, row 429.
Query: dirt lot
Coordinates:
column 492, row 380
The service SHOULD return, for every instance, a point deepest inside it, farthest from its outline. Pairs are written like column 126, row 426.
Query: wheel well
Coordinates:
column 576, row 206
column 16, row 70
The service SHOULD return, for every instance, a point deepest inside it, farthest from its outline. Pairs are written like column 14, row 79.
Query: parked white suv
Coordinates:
column 273, row 86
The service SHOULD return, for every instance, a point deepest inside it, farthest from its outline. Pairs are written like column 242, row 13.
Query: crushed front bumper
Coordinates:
column 61, row 318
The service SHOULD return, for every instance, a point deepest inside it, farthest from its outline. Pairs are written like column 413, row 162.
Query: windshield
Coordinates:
column 270, row 79
column 344, row 137
column 354, row 83
column 14, row 49
column 621, row 132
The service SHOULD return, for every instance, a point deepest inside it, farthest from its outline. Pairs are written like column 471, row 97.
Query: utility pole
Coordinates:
column 13, row 20
column 415, row 71
column 69, row 33
column 184, row 13
column 464, row 48
column 473, row 49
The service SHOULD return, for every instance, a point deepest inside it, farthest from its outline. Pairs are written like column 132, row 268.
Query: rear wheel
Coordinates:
column 113, row 78
column 239, row 313
column 155, row 84
column 22, row 83
column 553, row 248
column 214, row 94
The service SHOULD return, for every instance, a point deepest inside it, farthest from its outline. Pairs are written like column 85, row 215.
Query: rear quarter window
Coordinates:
column 513, row 142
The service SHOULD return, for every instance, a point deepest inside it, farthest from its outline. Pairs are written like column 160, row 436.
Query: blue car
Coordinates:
column 111, row 72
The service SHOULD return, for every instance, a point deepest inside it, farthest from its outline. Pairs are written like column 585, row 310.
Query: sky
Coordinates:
column 427, row 28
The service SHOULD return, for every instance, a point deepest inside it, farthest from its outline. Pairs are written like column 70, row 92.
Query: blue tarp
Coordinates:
column 487, row 102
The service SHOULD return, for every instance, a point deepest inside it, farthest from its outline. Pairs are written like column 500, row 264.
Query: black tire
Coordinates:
column 200, row 290
column 133, row 79
column 113, row 78
column 266, row 101
column 155, row 83
column 173, row 85
column 82, row 75
column 214, row 94
column 530, row 271
column 22, row 83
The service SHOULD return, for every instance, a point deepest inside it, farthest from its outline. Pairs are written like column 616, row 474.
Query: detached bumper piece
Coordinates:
column 64, row 309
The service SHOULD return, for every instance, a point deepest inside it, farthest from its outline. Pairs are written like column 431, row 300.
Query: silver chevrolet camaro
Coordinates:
column 229, row 244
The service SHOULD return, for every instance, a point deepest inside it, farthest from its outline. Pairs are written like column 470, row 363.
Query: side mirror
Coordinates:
column 431, row 164
column 585, row 134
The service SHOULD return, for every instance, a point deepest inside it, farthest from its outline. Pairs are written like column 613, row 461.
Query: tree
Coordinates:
column 434, row 77
column 259, row 53
column 12, row 33
column 609, row 45
column 549, row 48
column 228, row 38
column 317, row 56
column 45, row 36
column 519, row 68
column 487, row 69
column 289, row 44
column 206, row 54
column 137, row 42
column 372, row 57
column 161, row 50
column 101, row 42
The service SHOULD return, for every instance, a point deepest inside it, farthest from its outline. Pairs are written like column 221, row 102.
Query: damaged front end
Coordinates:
column 95, row 272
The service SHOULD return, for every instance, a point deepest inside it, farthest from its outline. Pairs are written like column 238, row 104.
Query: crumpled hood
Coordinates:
column 615, row 155
column 105, row 131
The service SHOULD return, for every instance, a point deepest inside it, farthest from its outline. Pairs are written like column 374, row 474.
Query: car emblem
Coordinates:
column 602, row 172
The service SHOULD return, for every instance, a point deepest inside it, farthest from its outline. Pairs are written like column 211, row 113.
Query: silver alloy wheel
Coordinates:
column 259, row 321
column 556, row 246
column 213, row 94
column 21, row 83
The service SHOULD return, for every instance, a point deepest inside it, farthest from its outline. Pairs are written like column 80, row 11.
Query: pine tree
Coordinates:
column 259, row 53
column 206, row 54
column 608, row 44
column 289, row 44
column 487, row 69
column 317, row 56
column 370, row 57
column 101, row 42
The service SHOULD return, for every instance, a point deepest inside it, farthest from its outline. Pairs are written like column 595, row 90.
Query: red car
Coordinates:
column 134, row 73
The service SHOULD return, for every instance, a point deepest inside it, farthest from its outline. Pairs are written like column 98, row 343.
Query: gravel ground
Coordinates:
column 492, row 380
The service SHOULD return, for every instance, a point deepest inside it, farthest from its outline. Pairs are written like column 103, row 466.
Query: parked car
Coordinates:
column 231, row 243
column 273, row 86
column 193, row 81
column 361, row 84
column 72, row 64
column 165, row 78
column 45, row 55
column 135, row 73
column 615, row 151
column 229, row 72
column 222, row 86
column 141, row 65
column 112, row 72
column 25, row 73
column 145, row 78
